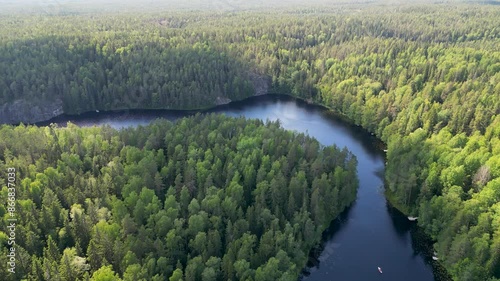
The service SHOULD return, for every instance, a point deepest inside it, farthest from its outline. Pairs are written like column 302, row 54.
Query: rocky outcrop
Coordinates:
column 29, row 112
column 260, row 83
column 222, row 100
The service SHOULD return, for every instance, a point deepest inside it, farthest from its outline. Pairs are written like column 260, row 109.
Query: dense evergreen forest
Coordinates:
column 424, row 78
column 206, row 198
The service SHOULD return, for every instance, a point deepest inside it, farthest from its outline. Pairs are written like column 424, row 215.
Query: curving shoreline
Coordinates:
column 328, row 111
column 319, row 122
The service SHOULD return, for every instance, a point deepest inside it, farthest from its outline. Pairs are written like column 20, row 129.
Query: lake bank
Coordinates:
column 369, row 234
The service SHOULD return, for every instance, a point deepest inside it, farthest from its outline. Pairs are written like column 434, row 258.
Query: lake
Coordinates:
column 367, row 235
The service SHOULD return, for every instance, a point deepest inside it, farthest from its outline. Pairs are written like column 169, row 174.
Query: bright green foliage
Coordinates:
column 104, row 273
column 229, row 227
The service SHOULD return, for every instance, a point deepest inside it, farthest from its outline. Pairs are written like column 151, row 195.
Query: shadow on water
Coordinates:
column 421, row 243
column 367, row 140
column 117, row 116
column 400, row 222
column 314, row 255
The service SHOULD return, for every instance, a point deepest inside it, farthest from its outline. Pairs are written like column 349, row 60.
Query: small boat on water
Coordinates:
column 412, row 218
column 379, row 269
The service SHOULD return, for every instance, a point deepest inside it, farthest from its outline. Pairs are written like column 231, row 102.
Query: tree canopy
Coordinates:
column 206, row 198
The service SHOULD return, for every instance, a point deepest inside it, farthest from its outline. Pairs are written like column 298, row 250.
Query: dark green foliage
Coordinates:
column 155, row 225
column 113, row 71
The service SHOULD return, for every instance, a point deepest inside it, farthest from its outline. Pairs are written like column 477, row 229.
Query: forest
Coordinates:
column 206, row 198
column 425, row 79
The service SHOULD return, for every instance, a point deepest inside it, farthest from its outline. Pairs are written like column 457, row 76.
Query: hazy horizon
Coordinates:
column 55, row 7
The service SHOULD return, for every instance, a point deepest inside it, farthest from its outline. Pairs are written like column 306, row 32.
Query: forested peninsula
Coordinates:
column 206, row 198
column 424, row 78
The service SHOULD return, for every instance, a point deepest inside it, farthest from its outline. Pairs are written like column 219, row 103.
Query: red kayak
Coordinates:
column 379, row 269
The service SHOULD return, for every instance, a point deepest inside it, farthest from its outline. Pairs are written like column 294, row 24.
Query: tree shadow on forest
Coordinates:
column 104, row 76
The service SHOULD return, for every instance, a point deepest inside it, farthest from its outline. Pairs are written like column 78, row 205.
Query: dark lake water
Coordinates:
column 368, row 235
